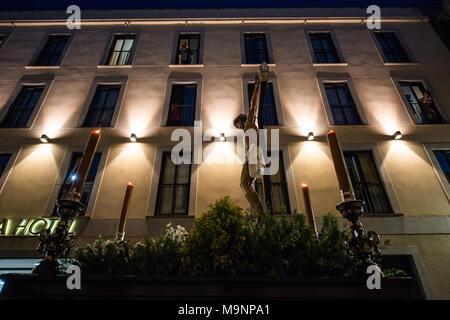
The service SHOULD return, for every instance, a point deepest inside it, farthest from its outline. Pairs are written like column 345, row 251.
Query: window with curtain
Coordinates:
column 323, row 47
column 270, row 110
column 188, row 49
column 423, row 113
column 4, row 159
column 276, row 194
column 70, row 177
column 366, row 181
column 120, row 51
column 391, row 47
column 256, row 51
column 51, row 54
column 22, row 108
column 173, row 188
column 101, row 109
column 182, row 105
column 443, row 157
column 341, row 103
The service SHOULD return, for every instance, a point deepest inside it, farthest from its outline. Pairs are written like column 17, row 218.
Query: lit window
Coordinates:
column 342, row 104
column 188, row 49
column 23, row 106
column 4, row 159
column 443, row 157
column 182, row 105
column 392, row 49
column 120, row 51
column 270, row 111
column 256, row 48
column 173, row 188
column 102, row 107
column 366, row 181
column 51, row 54
column 323, row 48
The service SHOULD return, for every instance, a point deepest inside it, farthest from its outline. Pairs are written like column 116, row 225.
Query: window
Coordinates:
column 23, row 106
column 4, row 159
column 270, row 111
column 52, row 52
column 256, row 48
column 2, row 39
column 182, row 105
column 120, row 52
column 323, row 47
column 391, row 47
column 102, row 107
column 173, row 188
column 188, row 49
column 424, row 113
column 71, row 174
column 276, row 193
column 341, row 103
column 366, row 181
column 443, row 157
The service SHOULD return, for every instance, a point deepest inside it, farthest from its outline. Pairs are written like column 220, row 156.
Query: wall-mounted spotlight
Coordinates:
column 133, row 137
column 397, row 135
column 310, row 136
column 222, row 137
column 45, row 138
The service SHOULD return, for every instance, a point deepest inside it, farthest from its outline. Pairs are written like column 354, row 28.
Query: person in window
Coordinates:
column 428, row 108
column 184, row 54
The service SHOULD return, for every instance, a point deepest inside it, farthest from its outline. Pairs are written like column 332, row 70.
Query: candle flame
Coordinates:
column 304, row 185
column 130, row 184
column 96, row 131
column 331, row 131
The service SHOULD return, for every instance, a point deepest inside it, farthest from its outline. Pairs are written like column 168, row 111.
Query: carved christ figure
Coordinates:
column 247, row 122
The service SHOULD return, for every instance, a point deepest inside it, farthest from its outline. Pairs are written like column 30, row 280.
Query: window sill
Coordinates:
column 340, row 64
column 165, row 216
column 186, row 65
column 42, row 67
column 401, row 63
column 376, row 215
column 257, row 65
column 102, row 66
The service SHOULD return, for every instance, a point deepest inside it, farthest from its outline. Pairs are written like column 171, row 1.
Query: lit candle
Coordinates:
column 309, row 211
column 339, row 166
column 123, row 215
column 86, row 160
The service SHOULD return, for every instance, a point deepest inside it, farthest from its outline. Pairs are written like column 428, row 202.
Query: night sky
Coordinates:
column 163, row 4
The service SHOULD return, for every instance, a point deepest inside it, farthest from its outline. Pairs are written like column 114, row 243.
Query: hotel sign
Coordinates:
column 28, row 227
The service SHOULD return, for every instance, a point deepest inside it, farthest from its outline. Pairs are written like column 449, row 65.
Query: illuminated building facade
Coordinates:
column 142, row 74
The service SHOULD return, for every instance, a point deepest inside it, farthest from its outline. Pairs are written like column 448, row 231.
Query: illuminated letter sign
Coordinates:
column 28, row 227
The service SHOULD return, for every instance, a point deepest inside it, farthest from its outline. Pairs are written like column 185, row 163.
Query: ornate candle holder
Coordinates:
column 362, row 245
column 58, row 244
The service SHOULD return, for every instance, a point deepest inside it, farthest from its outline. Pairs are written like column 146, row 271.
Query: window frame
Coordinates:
column 350, row 85
column 15, row 94
column 397, row 79
column 99, row 81
column 176, row 80
column 430, row 148
column 250, row 78
column 40, row 48
column 314, row 61
column 412, row 60
column 173, row 57
column 270, row 52
column 384, row 175
column 109, row 44
column 14, row 151
column 156, row 177
column 59, row 180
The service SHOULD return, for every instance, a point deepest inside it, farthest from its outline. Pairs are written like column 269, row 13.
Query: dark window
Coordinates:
column 188, row 49
column 52, row 53
column 392, row 49
column 323, row 47
column 173, row 188
column 256, row 48
column 443, row 157
column 102, row 106
column 366, row 181
column 341, row 104
column 424, row 113
column 4, row 159
column 23, row 106
column 276, row 196
column 182, row 105
column 71, row 176
column 270, row 111
column 120, row 51
column 2, row 39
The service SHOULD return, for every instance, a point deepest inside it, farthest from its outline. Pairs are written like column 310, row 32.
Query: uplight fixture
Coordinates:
column 222, row 137
column 310, row 136
column 133, row 137
column 397, row 135
column 45, row 138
